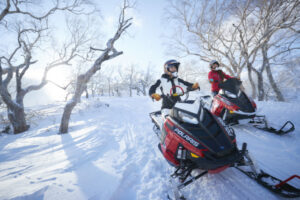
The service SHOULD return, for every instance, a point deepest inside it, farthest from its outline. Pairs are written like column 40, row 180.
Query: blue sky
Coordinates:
column 143, row 44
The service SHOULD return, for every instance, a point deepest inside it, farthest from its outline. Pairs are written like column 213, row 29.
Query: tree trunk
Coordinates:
column 86, row 93
column 274, row 86
column 64, row 125
column 144, row 90
column 108, row 87
column 17, row 118
column 251, row 82
column 260, row 87
column 15, row 109
column 80, row 88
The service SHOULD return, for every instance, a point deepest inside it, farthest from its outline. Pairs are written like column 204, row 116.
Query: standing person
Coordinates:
column 216, row 76
column 168, row 84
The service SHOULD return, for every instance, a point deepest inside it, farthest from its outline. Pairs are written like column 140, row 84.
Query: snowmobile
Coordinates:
column 192, row 138
column 233, row 106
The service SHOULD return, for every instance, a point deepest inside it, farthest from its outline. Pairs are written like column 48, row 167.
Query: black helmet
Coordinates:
column 171, row 63
column 211, row 63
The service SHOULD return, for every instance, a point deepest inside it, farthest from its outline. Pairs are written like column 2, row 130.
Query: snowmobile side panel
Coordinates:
column 216, row 107
column 169, row 145
column 169, row 156
column 220, row 103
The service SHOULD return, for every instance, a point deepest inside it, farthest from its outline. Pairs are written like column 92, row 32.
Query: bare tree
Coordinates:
column 145, row 80
column 117, row 87
column 283, row 40
column 213, row 30
column 131, row 79
column 201, row 31
column 93, row 85
column 13, row 7
column 234, row 32
column 289, row 79
column 264, row 21
column 31, row 33
column 28, row 41
column 109, row 79
column 108, row 53
column 134, row 79
column 128, row 77
column 126, row 80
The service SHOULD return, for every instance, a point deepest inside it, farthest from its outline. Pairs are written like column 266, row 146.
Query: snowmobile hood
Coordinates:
column 198, row 122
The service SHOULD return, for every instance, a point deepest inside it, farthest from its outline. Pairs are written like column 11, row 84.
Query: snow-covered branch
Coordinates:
column 32, row 33
column 15, row 7
column 108, row 53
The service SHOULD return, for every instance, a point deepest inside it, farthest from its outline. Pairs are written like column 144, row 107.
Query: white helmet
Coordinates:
column 211, row 63
column 171, row 63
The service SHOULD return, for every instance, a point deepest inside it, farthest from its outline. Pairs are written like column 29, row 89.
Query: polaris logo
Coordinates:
column 186, row 137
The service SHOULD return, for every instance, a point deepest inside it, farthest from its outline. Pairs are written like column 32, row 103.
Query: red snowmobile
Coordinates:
column 192, row 138
column 233, row 105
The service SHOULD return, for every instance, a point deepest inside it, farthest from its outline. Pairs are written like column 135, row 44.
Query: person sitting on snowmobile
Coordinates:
column 167, row 83
column 216, row 76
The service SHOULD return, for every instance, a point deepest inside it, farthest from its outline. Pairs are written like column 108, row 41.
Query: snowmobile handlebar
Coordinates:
column 178, row 94
column 182, row 92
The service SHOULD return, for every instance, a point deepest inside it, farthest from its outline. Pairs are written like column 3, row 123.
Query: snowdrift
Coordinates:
column 111, row 153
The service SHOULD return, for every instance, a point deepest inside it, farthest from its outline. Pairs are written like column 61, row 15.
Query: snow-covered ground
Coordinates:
column 111, row 153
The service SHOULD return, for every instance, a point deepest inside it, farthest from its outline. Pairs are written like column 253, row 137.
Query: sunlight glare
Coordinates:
column 58, row 77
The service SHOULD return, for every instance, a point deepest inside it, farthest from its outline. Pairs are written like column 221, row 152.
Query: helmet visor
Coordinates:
column 213, row 62
column 171, row 65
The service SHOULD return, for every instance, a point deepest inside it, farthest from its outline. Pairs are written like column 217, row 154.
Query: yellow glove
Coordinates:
column 195, row 86
column 155, row 96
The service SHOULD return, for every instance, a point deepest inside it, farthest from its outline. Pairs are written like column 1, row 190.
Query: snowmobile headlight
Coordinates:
column 194, row 155
column 231, row 111
column 187, row 118
column 201, row 154
column 229, row 94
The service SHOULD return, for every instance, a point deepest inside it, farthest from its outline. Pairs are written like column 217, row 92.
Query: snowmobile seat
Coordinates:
column 189, row 101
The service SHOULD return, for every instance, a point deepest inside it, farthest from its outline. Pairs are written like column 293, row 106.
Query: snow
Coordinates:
column 111, row 153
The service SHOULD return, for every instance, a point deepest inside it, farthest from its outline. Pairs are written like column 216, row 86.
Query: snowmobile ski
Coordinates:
column 182, row 185
column 274, row 184
column 176, row 194
column 260, row 122
column 176, row 189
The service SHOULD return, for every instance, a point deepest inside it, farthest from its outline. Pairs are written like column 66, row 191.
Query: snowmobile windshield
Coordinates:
column 231, row 85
